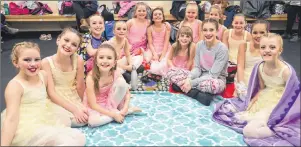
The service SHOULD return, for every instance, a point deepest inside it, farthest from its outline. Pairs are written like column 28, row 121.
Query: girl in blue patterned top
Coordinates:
column 92, row 40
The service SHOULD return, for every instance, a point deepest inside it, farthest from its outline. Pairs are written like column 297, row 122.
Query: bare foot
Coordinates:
column 134, row 109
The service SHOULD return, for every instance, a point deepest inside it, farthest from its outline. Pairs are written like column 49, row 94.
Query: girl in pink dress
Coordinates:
column 137, row 28
column 191, row 20
column 217, row 14
column 107, row 95
column 183, row 51
column 158, row 41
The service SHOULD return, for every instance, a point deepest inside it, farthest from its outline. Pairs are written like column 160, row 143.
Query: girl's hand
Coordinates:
column 186, row 86
column 161, row 58
column 81, row 115
column 155, row 57
column 118, row 118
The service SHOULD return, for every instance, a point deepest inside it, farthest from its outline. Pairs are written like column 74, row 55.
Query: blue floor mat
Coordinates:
column 167, row 120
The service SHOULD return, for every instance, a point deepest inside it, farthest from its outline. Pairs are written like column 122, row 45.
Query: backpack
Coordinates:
column 230, row 11
column 66, row 8
column 108, row 33
column 105, row 13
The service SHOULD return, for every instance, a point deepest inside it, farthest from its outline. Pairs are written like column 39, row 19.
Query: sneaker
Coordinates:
column 10, row 30
column 286, row 36
column 295, row 39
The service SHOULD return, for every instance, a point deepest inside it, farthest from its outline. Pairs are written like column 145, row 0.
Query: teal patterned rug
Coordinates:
column 167, row 120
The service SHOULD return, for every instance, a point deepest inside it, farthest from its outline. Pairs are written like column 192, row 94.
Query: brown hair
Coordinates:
column 96, row 14
column 21, row 46
column 69, row 29
column 95, row 71
column 239, row 14
column 260, row 21
column 177, row 46
column 136, row 7
column 152, row 16
column 211, row 20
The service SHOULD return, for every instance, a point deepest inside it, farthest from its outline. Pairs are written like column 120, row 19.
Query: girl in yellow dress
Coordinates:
column 30, row 118
column 232, row 38
column 249, row 55
column 273, row 75
column 66, row 77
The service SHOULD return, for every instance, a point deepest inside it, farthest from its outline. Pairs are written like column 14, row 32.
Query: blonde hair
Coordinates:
column 136, row 7
column 197, row 10
column 219, row 9
column 95, row 71
column 118, row 22
column 18, row 47
column 277, row 36
column 177, row 46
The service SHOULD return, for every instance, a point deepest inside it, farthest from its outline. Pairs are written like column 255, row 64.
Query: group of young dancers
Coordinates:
column 86, row 81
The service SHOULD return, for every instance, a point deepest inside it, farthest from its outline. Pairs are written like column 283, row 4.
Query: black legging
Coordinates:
column 3, row 19
column 81, row 12
column 203, row 98
column 291, row 17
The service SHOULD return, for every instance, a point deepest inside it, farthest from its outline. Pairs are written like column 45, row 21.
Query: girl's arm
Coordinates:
column 80, row 83
column 196, row 72
column 170, row 56
column 220, row 61
column 166, row 40
column 226, row 38
column 150, row 41
column 90, row 50
column 125, row 108
column 127, row 53
column 12, row 94
column 249, row 37
column 200, row 31
column 261, row 87
column 79, row 114
column 241, row 62
column 224, row 30
column 129, row 24
column 192, row 56
column 92, row 98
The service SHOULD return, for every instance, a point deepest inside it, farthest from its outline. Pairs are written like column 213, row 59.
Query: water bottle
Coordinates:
column 6, row 9
column 134, row 79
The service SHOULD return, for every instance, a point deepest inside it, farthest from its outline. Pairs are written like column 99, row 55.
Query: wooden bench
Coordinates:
column 56, row 17
column 282, row 17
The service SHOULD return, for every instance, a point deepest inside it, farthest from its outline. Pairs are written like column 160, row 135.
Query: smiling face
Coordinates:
column 209, row 32
column 157, row 16
column 258, row 31
column 29, row 61
column 120, row 29
column 106, row 59
column 191, row 12
column 214, row 14
column 68, row 43
column 270, row 48
column 96, row 25
column 140, row 13
column 239, row 23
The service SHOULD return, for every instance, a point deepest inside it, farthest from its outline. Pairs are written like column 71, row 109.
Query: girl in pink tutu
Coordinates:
column 158, row 42
column 107, row 95
column 191, row 20
column 137, row 37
